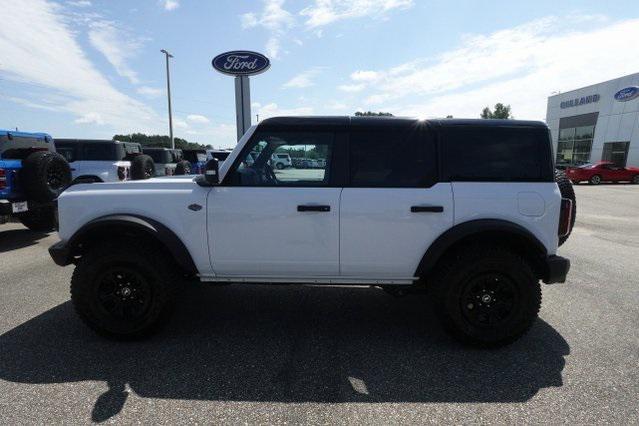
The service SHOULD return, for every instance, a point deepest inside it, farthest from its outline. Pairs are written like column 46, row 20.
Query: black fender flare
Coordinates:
column 64, row 252
column 476, row 228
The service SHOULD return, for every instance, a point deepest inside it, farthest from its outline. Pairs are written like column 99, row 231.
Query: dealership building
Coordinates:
column 598, row 122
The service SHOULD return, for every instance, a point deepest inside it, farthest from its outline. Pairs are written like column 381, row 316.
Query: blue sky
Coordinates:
column 93, row 68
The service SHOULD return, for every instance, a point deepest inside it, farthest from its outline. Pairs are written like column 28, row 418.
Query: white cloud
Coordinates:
column 324, row 12
column 275, row 19
column 180, row 124
column 352, row 88
column 90, row 118
column 150, row 92
column 303, row 80
column 196, row 118
column 365, row 76
column 273, row 110
column 520, row 66
column 273, row 47
column 116, row 46
column 171, row 4
column 79, row 3
column 52, row 60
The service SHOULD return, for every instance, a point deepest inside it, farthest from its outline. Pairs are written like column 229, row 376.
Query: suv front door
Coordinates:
column 276, row 223
column 393, row 208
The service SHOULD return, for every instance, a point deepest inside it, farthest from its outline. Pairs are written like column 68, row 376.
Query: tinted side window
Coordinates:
column 99, row 152
column 67, row 150
column 392, row 157
column 496, row 154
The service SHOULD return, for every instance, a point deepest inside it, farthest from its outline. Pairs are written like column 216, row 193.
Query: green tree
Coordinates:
column 501, row 112
column 161, row 141
column 373, row 114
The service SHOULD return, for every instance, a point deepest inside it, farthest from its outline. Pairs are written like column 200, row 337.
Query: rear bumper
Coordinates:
column 557, row 268
column 6, row 208
column 60, row 253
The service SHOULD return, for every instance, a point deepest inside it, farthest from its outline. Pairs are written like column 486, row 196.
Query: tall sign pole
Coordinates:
column 242, row 104
column 168, row 91
column 241, row 64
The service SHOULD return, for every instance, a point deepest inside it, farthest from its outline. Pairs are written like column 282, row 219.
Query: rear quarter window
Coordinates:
column 496, row 154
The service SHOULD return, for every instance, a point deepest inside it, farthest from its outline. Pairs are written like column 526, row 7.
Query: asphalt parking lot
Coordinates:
column 255, row 354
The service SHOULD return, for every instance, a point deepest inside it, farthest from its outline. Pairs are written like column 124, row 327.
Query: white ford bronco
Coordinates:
column 468, row 211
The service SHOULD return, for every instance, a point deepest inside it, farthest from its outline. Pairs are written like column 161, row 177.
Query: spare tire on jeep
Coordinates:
column 567, row 191
column 183, row 168
column 44, row 176
column 142, row 167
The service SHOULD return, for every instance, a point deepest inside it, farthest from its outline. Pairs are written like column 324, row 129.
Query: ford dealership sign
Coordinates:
column 627, row 94
column 241, row 62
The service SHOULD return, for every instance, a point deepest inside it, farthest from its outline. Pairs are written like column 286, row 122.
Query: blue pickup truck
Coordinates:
column 32, row 176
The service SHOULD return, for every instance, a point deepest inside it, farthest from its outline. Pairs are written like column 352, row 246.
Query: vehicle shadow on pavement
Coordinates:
column 14, row 239
column 285, row 344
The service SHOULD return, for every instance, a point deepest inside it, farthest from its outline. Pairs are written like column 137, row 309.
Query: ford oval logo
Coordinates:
column 241, row 62
column 627, row 94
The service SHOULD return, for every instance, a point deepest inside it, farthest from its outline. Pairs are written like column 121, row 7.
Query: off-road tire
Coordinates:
column 567, row 191
column 594, row 180
column 39, row 219
column 458, row 271
column 183, row 168
column 142, row 167
column 151, row 263
column 44, row 176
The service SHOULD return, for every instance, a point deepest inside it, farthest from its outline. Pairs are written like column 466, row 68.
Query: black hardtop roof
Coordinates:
column 345, row 121
column 158, row 148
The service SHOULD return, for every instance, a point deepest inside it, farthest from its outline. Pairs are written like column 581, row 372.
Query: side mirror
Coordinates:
column 212, row 172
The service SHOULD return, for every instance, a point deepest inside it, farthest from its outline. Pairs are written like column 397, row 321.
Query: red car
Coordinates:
column 602, row 171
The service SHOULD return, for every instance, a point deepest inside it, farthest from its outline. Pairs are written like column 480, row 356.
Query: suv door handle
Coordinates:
column 313, row 208
column 427, row 209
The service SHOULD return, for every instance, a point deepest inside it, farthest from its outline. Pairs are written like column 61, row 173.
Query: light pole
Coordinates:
column 168, row 90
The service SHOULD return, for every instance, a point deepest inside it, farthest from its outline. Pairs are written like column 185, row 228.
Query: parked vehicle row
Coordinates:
column 35, row 169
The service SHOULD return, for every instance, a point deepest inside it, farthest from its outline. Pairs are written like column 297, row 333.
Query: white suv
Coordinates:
column 281, row 161
column 99, row 160
column 466, row 210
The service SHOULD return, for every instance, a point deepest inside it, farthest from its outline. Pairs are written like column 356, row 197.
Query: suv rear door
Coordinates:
column 393, row 206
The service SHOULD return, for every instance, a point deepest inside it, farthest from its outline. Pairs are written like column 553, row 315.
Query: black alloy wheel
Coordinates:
column 489, row 300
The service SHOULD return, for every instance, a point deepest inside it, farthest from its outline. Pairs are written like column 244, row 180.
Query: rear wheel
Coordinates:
column 635, row 179
column 486, row 296
column 142, row 167
column 279, row 166
column 39, row 219
column 595, row 180
column 183, row 168
column 124, row 290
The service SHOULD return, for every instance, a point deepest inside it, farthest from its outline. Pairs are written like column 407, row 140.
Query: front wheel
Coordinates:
column 635, row 179
column 486, row 296
column 124, row 290
column 595, row 180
